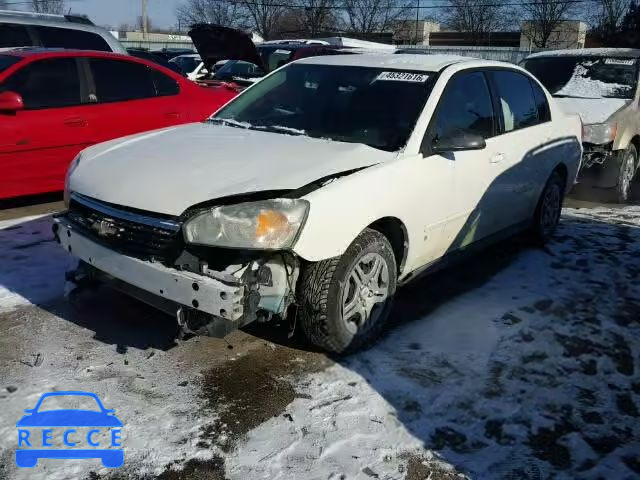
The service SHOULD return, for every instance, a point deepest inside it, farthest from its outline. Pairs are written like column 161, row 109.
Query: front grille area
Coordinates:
column 138, row 235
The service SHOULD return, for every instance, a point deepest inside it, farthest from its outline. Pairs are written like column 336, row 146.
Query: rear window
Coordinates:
column 52, row 37
column 7, row 60
column 586, row 77
column 12, row 35
column 119, row 80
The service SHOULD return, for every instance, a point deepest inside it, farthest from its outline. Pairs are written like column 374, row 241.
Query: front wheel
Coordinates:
column 347, row 300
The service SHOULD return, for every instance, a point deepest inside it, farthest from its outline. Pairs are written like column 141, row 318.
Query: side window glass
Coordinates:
column 47, row 84
column 544, row 113
column 12, row 35
column 52, row 37
column 117, row 80
column 165, row 86
column 465, row 107
column 515, row 95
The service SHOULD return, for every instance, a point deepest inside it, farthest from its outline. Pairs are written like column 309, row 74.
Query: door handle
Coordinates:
column 497, row 158
column 75, row 122
column 174, row 115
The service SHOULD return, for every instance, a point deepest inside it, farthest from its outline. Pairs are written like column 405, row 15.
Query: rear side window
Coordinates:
column 52, row 37
column 515, row 95
column 119, row 80
column 12, row 35
column 47, row 84
column 466, row 107
column 7, row 60
column 544, row 113
column 165, row 86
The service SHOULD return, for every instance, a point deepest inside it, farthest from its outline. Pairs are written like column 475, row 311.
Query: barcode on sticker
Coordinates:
column 619, row 61
column 403, row 77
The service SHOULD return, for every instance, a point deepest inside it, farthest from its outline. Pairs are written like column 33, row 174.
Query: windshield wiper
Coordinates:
column 278, row 129
column 229, row 122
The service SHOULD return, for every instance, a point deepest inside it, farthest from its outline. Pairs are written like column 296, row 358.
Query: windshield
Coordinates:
column 237, row 68
column 365, row 105
column 586, row 77
column 7, row 60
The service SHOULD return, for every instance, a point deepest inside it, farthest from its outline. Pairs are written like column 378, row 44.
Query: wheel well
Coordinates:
column 562, row 170
column 396, row 233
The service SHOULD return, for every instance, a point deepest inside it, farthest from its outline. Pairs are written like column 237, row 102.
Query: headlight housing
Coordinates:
column 263, row 225
column 599, row 133
column 72, row 167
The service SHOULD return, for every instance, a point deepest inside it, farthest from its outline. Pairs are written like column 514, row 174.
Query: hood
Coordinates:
column 170, row 170
column 69, row 418
column 215, row 43
column 591, row 110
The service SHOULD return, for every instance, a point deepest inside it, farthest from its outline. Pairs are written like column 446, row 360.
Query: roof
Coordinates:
column 586, row 52
column 46, row 16
column 427, row 63
column 26, row 52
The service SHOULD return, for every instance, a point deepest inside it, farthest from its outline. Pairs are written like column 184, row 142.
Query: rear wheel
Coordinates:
column 347, row 300
column 549, row 208
column 628, row 159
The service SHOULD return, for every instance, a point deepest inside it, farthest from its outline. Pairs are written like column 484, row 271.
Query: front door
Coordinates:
column 466, row 106
column 38, row 143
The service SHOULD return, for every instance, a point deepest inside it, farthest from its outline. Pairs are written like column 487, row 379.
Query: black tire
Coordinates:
column 627, row 160
column 545, row 224
column 321, row 289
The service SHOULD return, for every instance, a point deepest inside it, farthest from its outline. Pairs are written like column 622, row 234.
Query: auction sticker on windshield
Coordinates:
column 619, row 61
column 403, row 77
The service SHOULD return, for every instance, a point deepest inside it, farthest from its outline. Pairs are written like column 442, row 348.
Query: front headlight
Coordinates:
column 599, row 133
column 72, row 167
column 263, row 225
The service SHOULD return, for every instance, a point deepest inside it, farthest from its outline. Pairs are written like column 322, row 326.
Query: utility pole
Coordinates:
column 417, row 19
column 145, row 20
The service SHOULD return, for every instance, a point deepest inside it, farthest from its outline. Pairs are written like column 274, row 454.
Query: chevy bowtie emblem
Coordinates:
column 104, row 228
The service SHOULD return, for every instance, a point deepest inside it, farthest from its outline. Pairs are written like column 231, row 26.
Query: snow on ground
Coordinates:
column 521, row 364
column 530, row 375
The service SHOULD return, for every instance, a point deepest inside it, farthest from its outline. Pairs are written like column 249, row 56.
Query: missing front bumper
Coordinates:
column 215, row 303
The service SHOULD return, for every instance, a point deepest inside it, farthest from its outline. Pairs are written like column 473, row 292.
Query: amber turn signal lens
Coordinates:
column 270, row 222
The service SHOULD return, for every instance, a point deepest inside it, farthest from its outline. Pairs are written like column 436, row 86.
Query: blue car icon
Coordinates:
column 34, row 419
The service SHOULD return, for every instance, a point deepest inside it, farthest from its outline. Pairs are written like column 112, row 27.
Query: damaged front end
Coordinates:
column 212, row 290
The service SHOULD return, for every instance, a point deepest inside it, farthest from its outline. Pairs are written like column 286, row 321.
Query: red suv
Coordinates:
column 54, row 103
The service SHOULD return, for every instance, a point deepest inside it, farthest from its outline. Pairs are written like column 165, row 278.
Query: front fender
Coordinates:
column 344, row 208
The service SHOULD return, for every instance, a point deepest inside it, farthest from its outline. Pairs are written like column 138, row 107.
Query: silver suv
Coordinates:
column 600, row 85
column 24, row 29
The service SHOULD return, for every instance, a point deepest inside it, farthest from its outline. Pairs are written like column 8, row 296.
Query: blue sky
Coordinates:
column 116, row 12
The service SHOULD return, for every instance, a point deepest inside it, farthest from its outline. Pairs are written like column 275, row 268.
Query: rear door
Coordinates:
column 131, row 97
column 39, row 142
column 524, row 147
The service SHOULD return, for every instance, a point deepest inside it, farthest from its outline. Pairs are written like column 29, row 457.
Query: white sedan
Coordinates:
column 320, row 189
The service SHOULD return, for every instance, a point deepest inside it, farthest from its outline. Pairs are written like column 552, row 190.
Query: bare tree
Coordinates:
column 47, row 6
column 318, row 16
column 368, row 16
column 545, row 16
column 226, row 13
column 478, row 18
column 266, row 15
column 608, row 16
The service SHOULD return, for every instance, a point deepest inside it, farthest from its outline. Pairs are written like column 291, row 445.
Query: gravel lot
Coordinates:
column 521, row 364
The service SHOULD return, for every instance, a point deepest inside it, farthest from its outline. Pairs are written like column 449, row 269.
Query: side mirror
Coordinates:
column 10, row 102
column 457, row 142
